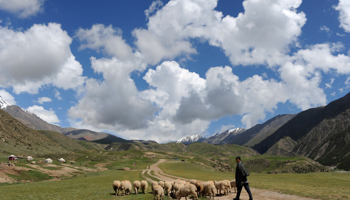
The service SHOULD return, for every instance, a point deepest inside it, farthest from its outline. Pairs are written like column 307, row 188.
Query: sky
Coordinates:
column 162, row 70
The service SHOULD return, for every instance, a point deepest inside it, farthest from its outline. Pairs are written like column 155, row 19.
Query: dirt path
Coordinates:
column 258, row 194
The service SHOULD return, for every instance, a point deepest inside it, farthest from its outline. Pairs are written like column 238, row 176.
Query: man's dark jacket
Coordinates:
column 241, row 174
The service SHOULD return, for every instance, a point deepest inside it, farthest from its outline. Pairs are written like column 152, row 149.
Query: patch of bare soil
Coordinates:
column 258, row 194
column 63, row 171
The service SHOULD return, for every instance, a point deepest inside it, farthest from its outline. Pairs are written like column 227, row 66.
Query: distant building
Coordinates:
column 61, row 160
column 11, row 157
column 48, row 160
column 29, row 158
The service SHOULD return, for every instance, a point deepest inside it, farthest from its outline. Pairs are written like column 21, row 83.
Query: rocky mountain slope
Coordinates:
column 320, row 133
column 17, row 138
column 34, row 122
column 259, row 132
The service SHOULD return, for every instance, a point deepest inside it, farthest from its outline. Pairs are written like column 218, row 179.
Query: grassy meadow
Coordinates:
column 198, row 165
column 326, row 185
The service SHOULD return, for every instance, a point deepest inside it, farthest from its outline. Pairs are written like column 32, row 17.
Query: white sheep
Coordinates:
column 144, row 186
column 137, row 185
column 158, row 192
column 220, row 186
column 209, row 190
column 153, row 184
column 167, row 187
column 125, row 187
column 185, row 191
column 233, row 185
column 116, row 186
column 161, row 183
column 228, row 185
column 199, row 186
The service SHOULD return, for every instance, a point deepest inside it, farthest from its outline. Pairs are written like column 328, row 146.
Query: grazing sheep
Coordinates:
column 177, row 187
column 233, row 185
column 220, row 186
column 167, row 187
column 192, row 181
column 209, row 190
column 185, row 191
column 116, row 186
column 137, row 185
column 154, row 183
column 228, row 186
column 158, row 192
column 161, row 183
column 144, row 186
column 125, row 187
column 199, row 186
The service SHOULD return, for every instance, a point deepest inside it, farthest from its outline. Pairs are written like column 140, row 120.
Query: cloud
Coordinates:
column 262, row 34
column 180, row 102
column 153, row 7
column 43, row 100
column 113, row 103
column 58, row 95
column 36, row 57
column 7, row 96
column 47, row 115
column 344, row 14
column 107, row 39
column 22, row 8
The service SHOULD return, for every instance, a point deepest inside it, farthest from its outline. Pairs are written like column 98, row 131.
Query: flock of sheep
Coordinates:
column 176, row 189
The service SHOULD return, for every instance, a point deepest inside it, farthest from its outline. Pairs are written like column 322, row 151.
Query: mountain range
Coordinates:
column 322, row 134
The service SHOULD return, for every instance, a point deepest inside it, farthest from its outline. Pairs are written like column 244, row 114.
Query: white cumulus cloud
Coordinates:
column 344, row 14
column 43, row 100
column 7, row 96
column 47, row 115
column 22, row 8
column 38, row 56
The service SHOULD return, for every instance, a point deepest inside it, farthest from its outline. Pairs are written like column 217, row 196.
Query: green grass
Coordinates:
column 314, row 185
column 96, row 185
column 31, row 176
column 194, row 170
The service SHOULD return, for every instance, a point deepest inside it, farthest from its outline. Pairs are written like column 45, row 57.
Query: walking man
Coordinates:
column 241, row 179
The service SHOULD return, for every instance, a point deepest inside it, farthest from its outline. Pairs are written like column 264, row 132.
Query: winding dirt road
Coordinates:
column 258, row 194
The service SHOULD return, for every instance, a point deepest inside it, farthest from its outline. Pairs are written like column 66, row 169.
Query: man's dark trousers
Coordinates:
column 246, row 187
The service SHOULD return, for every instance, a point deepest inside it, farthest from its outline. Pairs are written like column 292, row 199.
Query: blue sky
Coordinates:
column 165, row 69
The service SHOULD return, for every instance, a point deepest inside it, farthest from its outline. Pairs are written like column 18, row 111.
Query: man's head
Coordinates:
column 238, row 159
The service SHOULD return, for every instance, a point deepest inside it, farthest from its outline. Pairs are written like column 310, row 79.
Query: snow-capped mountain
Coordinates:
column 4, row 103
column 190, row 139
column 221, row 138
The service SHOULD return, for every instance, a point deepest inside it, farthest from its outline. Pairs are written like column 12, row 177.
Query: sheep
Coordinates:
column 177, row 187
column 199, row 186
column 168, row 187
column 209, row 189
column 125, row 187
column 158, row 192
column 185, row 191
column 154, row 183
column 116, row 186
column 192, row 181
column 137, row 185
column 144, row 186
column 220, row 186
column 228, row 185
column 233, row 185
column 161, row 183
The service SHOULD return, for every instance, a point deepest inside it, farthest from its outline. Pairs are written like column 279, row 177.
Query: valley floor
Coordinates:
column 258, row 194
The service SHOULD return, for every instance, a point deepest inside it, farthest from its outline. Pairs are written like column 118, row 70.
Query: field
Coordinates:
column 327, row 185
column 92, row 173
